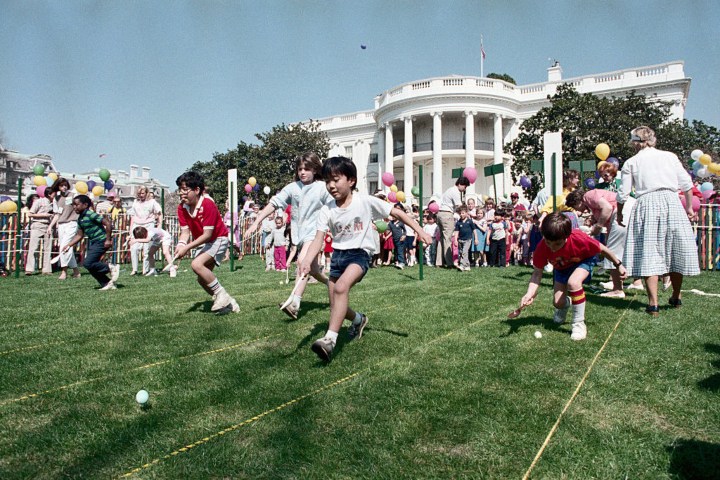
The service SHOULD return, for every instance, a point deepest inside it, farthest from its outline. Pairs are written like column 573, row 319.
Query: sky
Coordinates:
column 167, row 83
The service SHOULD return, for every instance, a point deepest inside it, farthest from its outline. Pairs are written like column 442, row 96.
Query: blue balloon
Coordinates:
column 109, row 184
column 706, row 186
column 590, row 183
column 256, row 187
column 91, row 184
column 49, row 181
column 363, row 46
column 697, row 166
column 614, row 161
column 525, row 182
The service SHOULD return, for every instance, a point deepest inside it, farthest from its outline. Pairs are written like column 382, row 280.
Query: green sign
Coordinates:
column 457, row 172
column 491, row 170
column 582, row 166
column 536, row 166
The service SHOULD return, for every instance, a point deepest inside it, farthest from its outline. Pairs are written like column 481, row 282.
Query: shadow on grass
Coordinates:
column 691, row 459
column 517, row 323
column 712, row 383
column 200, row 307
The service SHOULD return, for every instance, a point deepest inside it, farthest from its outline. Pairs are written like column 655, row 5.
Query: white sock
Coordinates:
column 296, row 299
column 332, row 336
column 215, row 286
column 358, row 318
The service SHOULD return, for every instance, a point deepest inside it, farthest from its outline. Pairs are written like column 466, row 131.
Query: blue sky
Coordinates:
column 167, row 83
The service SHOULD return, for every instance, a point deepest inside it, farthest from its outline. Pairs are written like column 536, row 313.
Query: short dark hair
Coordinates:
column 462, row 208
column 556, row 226
column 311, row 161
column 574, row 199
column 462, row 181
column 192, row 180
column 339, row 166
column 84, row 199
column 140, row 232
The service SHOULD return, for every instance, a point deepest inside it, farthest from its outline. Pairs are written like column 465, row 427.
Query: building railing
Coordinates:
column 446, row 145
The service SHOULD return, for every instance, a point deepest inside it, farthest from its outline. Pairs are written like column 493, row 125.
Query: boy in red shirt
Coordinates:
column 199, row 216
column 571, row 254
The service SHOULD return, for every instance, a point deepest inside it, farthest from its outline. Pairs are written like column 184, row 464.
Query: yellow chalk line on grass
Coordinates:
column 237, row 426
column 142, row 367
column 574, row 395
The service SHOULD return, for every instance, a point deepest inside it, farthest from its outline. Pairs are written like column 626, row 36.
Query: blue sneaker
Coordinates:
column 356, row 330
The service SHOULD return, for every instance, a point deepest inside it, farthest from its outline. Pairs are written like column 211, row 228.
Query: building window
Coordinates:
column 373, row 158
column 373, row 187
column 349, row 151
column 400, row 184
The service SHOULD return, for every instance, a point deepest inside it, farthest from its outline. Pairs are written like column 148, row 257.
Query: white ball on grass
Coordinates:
column 142, row 397
column 538, row 334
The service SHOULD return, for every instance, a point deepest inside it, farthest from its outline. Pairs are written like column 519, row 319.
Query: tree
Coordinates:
column 272, row 162
column 502, row 76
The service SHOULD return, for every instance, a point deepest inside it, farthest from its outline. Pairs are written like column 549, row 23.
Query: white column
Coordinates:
column 388, row 153
column 361, row 158
column 437, row 154
column 381, row 155
column 408, row 156
column 470, row 144
column 497, row 151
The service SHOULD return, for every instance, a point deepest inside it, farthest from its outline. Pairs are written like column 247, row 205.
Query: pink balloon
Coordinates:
column 392, row 197
column 41, row 190
column 695, row 203
column 470, row 173
column 433, row 207
column 706, row 193
column 388, row 179
column 248, row 188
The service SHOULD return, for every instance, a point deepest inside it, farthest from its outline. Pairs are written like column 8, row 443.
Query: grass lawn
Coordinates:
column 442, row 384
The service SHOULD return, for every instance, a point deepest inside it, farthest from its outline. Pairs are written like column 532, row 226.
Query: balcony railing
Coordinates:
column 428, row 147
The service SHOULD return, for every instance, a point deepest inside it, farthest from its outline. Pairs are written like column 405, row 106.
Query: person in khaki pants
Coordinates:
column 451, row 200
column 40, row 213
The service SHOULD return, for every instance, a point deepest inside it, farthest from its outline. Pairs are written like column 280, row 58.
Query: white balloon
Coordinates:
column 696, row 154
column 266, row 190
column 142, row 397
column 702, row 173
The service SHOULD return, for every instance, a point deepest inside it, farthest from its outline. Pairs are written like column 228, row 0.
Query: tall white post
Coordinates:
column 497, row 148
column 470, row 145
column 381, row 155
column 437, row 154
column 408, row 157
column 388, row 152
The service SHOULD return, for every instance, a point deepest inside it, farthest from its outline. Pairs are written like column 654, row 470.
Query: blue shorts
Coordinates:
column 562, row 276
column 341, row 259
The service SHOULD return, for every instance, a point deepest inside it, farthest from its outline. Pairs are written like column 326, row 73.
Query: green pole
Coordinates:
column 232, row 228
column 495, row 189
column 552, row 167
column 18, row 237
column 420, row 209
column 162, row 204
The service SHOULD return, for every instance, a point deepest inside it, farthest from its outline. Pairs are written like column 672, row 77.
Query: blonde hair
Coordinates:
column 139, row 190
column 642, row 137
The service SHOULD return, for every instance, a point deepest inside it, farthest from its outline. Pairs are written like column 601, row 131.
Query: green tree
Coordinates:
column 502, row 76
column 271, row 162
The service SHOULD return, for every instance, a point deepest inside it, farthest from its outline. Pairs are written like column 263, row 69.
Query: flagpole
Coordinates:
column 482, row 58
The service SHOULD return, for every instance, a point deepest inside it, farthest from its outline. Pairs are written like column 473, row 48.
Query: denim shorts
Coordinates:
column 562, row 276
column 341, row 259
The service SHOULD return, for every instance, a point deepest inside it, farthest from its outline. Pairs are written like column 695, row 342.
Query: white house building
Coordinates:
column 449, row 123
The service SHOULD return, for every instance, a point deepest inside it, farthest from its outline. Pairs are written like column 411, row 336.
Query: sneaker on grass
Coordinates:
column 356, row 330
column 323, row 347
column 220, row 300
column 579, row 331
column 109, row 286
column 232, row 307
column 114, row 273
column 291, row 310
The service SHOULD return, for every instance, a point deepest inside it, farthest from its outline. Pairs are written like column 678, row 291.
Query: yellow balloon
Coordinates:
column 714, row 168
column 400, row 196
column 53, row 175
column 8, row 206
column 252, row 181
column 705, row 159
column 81, row 187
column 602, row 151
column 39, row 180
column 98, row 190
column 600, row 164
column 393, row 188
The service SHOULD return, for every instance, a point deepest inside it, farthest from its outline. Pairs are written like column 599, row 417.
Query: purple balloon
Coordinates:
column 256, row 187
column 590, row 183
column 109, row 184
column 614, row 161
column 525, row 182
column 91, row 184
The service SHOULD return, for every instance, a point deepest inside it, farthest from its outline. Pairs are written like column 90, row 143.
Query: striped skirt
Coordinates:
column 660, row 238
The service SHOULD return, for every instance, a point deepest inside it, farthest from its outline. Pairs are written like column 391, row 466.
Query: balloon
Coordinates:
column 696, row 166
column 614, row 161
column 49, row 181
column 38, row 180
column 714, row 168
column 470, row 173
column 53, row 175
column 706, row 186
column 248, row 188
column 252, row 181
column 8, row 206
column 525, row 182
column 388, row 179
column 97, row 190
column 4, row 198
column 39, row 170
column 415, row 191
column 40, row 190
column 600, row 164
column 400, row 196
column 434, row 207
column 706, row 194
column 705, row 159
column 590, row 183
column 392, row 197
column 696, row 154
column 702, row 173
column 104, row 174
column 363, row 46
column 266, row 190
column 695, row 202
column 91, row 184
column 81, row 187
column 393, row 188
column 602, row 151
column 109, row 184
column 381, row 226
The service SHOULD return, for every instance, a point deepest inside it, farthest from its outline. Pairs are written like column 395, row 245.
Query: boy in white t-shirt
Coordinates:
column 156, row 238
column 348, row 218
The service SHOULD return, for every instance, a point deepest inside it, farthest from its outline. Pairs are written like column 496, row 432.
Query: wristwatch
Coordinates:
column 617, row 265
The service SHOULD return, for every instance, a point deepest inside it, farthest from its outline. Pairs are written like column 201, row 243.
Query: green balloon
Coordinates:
column 104, row 175
column 381, row 226
column 39, row 170
column 415, row 191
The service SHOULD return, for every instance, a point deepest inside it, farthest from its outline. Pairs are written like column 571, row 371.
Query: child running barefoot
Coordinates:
column 156, row 237
column 99, row 232
column 199, row 216
column 571, row 253
column 306, row 196
column 349, row 219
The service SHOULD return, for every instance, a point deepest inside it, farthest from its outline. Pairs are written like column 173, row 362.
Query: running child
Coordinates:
column 99, row 232
column 306, row 195
column 200, row 218
column 156, row 238
column 348, row 218
column 571, row 252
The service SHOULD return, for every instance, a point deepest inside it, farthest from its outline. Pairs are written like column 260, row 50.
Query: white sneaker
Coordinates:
column 114, row 273
column 220, row 300
column 632, row 286
column 607, row 285
column 231, row 307
column 109, row 286
column 560, row 315
column 151, row 273
column 579, row 331
column 667, row 284
column 168, row 267
column 548, row 268
column 614, row 294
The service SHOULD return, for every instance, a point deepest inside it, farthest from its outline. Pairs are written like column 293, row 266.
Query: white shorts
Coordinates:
column 216, row 249
column 165, row 241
